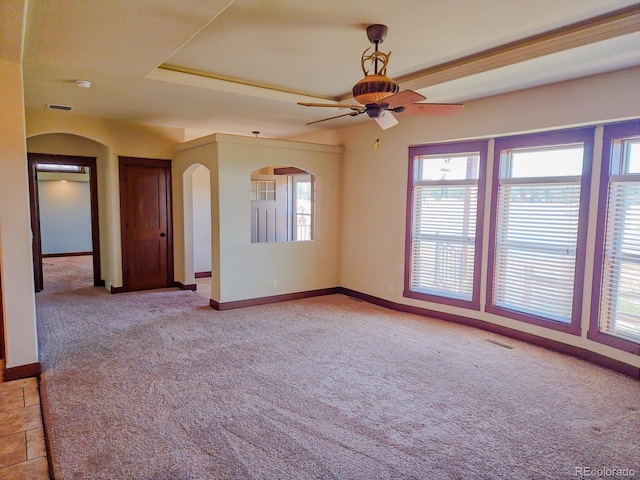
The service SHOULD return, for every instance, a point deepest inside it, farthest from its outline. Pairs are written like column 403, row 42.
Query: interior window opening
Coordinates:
column 282, row 205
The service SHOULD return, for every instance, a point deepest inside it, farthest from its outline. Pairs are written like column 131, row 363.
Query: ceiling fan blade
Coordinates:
column 432, row 109
column 352, row 114
column 404, row 97
column 329, row 105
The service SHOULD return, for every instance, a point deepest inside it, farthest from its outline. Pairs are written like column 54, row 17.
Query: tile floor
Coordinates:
column 204, row 287
column 22, row 449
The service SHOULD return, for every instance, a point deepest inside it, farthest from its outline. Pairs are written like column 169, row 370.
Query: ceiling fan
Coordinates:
column 379, row 95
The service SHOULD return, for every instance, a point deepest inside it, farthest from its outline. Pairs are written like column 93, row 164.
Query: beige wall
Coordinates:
column 188, row 158
column 65, row 212
column 247, row 270
column 375, row 182
column 62, row 133
column 15, row 231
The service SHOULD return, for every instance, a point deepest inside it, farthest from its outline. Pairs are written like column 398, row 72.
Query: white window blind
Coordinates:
column 620, row 291
column 536, row 237
column 444, row 240
column 445, row 198
column 536, row 233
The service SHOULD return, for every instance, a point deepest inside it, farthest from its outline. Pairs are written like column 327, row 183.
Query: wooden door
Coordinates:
column 268, row 208
column 145, row 205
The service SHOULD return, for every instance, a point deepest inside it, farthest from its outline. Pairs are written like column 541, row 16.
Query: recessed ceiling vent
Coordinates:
column 53, row 106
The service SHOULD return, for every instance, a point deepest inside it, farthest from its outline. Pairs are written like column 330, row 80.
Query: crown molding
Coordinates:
column 185, row 76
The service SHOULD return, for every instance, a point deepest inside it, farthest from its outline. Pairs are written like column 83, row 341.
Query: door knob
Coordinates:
column 163, row 234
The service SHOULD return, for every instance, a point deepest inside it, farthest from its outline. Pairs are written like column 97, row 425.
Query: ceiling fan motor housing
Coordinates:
column 373, row 88
column 375, row 110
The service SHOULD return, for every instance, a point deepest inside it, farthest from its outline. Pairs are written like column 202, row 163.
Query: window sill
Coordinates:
column 572, row 328
column 615, row 342
column 453, row 302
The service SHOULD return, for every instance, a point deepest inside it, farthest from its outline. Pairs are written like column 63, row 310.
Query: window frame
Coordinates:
column 480, row 146
column 611, row 133
column 545, row 139
column 292, row 214
column 50, row 167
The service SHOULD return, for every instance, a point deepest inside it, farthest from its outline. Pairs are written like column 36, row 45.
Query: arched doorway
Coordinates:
column 197, row 218
column 68, row 157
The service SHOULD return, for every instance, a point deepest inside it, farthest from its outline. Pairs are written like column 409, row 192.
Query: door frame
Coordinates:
column 124, row 162
column 91, row 162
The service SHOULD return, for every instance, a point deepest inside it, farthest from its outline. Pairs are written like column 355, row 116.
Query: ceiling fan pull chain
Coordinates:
column 376, row 144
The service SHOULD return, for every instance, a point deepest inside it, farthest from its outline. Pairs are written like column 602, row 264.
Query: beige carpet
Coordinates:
column 157, row 385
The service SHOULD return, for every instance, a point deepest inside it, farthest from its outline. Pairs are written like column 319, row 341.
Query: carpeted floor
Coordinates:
column 157, row 385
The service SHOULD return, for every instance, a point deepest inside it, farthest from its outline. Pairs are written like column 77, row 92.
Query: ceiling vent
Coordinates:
column 53, row 106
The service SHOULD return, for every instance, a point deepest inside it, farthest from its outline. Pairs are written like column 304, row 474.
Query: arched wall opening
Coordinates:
column 195, row 260
column 282, row 204
column 200, row 203
column 244, row 272
column 68, row 215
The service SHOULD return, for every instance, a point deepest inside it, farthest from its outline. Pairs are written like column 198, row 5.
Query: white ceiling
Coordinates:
column 250, row 61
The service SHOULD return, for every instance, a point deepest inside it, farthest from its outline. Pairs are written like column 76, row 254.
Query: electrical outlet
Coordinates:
column 274, row 283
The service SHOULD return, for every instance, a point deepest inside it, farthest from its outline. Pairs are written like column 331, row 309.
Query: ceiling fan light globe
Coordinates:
column 374, row 88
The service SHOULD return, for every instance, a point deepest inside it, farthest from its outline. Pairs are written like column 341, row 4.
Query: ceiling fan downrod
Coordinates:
column 376, row 34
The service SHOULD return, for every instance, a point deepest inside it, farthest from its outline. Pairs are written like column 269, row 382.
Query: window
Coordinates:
column 616, row 298
column 538, row 227
column 282, row 205
column 61, row 168
column 263, row 190
column 301, row 192
column 443, row 227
